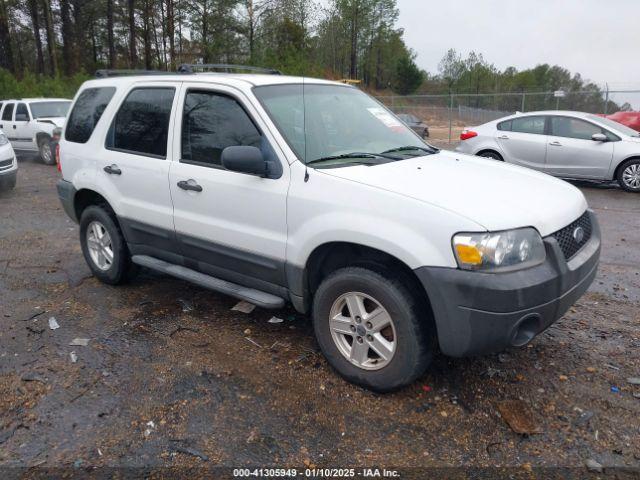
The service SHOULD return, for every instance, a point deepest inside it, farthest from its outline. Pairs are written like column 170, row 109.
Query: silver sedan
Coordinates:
column 564, row 144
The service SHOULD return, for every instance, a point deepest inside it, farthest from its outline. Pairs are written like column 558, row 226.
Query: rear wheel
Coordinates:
column 629, row 175
column 371, row 329
column 104, row 247
column 491, row 154
column 44, row 148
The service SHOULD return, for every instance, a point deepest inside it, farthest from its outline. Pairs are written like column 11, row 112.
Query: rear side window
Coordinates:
column 505, row 126
column 8, row 112
column 86, row 112
column 141, row 125
column 528, row 125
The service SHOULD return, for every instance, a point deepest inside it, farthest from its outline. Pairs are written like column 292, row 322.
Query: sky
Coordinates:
column 600, row 39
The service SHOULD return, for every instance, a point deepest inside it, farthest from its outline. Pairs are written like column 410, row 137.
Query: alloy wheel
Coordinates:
column 362, row 330
column 99, row 245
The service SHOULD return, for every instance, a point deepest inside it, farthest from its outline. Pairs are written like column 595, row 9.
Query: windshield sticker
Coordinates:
column 385, row 117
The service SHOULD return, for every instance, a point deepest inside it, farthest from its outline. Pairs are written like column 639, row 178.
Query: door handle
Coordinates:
column 14, row 127
column 112, row 170
column 556, row 144
column 190, row 185
column 503, row 137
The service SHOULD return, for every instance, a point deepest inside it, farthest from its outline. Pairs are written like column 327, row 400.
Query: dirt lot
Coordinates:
column 172, row 376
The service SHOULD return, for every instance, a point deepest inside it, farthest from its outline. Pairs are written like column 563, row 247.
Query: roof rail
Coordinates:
column 105, row 73
column 225, row 67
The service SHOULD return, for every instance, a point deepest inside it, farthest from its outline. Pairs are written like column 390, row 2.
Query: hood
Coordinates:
column 493, row 194
column 55, row 121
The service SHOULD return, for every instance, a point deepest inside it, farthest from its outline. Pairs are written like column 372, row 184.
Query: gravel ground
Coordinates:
column 172, row 377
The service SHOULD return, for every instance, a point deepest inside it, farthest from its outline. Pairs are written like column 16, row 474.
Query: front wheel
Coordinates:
column 629, row 175
column 371, row 329
column 44, row 149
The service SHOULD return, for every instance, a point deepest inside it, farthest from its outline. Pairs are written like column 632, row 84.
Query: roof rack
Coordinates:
column 225, row 67
column 105, row 73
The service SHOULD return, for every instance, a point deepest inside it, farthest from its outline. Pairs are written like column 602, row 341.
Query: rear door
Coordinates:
column 133, row 168
column 573, row 153
column 235, row 226
column 23, row 128
column 523, row 141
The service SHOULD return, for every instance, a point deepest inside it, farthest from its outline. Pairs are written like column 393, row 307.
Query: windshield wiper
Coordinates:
column 350, row 155
column 410, row 147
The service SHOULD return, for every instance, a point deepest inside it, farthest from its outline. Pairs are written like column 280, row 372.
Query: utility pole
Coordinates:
column 523, row 97
column 450, row 114
column 606, row 99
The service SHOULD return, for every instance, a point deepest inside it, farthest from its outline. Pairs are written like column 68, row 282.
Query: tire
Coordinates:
column 491, row 154
column 628, row 175
column 411, row 336
column 119, row 269
column 45, row 152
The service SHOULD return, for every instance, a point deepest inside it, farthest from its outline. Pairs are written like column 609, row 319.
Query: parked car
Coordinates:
column 30, row 123
column 8, row 164
column 628, row 119
column 272, row 189
column 415, row 124
column 564, row 144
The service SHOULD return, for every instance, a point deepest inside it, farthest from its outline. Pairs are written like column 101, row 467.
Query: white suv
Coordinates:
column 32, row 124
column 8, row 164
column 276, row 189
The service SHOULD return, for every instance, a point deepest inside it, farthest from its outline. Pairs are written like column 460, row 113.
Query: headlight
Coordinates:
column 499, row 251
column 3, row 139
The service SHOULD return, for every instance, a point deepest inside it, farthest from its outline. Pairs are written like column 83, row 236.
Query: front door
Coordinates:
column 230, row 225
column 573, row 153
column 523, row 141
column 23, row 129
column 133, row 168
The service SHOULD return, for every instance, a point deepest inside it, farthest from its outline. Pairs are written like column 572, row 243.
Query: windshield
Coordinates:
column 615, row 125
column 49, row 109
column 332, row 125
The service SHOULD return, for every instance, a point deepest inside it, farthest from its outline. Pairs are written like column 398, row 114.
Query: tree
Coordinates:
column 451, row 68
column 409, row 76
column 35, row 25
column 6, row 52
column 110, row 35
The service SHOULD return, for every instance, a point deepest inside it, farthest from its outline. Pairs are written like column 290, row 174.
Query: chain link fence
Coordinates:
column 447, row 115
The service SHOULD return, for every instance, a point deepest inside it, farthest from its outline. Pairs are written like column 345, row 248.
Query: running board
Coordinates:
column 257, row 297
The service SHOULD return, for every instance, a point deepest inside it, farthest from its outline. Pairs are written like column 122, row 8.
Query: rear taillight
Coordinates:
column 467, row 134
column 58, row 158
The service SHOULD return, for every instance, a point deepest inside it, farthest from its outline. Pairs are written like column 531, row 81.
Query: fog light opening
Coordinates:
column 525, row 330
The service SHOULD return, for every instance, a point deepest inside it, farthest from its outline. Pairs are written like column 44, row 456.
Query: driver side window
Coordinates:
column 573, row 128
column 212, row 122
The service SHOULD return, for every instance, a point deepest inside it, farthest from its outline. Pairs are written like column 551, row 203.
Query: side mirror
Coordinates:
column 22, row 117
column 599, row 137
column 244, row 159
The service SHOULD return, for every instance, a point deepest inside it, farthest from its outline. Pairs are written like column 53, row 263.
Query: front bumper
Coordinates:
column 8, row 171
column 8, row 179
column 479, row 313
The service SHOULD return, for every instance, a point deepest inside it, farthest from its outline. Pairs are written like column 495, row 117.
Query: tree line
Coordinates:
column 51, row 46
column 355, row 39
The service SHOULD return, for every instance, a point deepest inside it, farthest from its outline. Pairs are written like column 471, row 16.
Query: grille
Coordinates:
column 567, row 242
column 6, row 163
